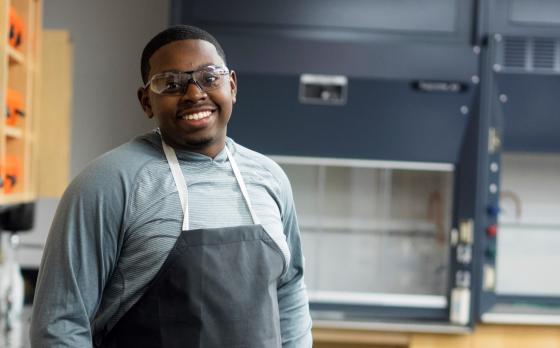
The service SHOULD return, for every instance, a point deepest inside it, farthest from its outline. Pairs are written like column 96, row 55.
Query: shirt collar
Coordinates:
column 185, row 155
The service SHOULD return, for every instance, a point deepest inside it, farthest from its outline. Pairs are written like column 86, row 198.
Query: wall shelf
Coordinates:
column 14, row 56
column 18, row 86
column 13, row 132
column 15, row 198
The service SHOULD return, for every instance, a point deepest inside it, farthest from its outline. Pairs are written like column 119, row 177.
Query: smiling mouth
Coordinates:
column 196, row 116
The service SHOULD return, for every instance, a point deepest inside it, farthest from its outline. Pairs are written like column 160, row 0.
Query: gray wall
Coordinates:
column 108, row 38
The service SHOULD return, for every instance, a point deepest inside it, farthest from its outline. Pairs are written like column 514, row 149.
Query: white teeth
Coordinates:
column 197, row 116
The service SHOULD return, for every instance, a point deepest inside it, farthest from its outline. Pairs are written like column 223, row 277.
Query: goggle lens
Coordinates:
column 176, row 83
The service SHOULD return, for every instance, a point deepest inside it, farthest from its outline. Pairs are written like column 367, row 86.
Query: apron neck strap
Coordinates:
column 242, row 185
column 181, row 183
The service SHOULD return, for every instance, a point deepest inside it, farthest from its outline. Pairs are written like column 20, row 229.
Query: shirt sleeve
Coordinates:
column 78, row 258
column 295, row 320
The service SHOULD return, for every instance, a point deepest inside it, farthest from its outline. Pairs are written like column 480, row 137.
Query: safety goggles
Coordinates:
column 176, row 83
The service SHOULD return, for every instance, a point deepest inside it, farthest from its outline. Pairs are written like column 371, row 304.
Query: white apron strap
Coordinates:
column 181, row 183
column 242, row 185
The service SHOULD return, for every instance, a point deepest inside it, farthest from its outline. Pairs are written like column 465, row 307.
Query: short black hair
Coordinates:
column 175, row 33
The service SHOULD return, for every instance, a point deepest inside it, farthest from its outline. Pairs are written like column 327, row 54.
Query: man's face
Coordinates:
column 196, row 121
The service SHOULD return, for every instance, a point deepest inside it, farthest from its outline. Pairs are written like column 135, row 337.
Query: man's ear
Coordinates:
column 233, row 86
column 144, row 99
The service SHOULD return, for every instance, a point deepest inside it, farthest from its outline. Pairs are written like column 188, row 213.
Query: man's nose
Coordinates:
column 194, row 92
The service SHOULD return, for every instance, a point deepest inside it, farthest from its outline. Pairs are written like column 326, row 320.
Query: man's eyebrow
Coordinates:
column 170, row 71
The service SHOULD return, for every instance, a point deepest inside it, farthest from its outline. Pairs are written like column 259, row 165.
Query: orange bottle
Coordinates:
column 14, row 103
column 16, row 30
column 12, row 27
column 12, row 173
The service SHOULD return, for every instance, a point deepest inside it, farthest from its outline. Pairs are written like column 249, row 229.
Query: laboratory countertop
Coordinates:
column 19, row 336
column 411, row 327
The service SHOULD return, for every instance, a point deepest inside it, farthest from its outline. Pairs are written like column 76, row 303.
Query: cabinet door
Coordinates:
column 385, row 120
column 440, row 18
column 521, row 17
column 53, row 125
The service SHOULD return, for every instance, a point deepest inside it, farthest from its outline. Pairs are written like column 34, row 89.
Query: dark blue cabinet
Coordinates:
column 411, row 96
column 520, row 167
column 374, row 123
column 384, row 48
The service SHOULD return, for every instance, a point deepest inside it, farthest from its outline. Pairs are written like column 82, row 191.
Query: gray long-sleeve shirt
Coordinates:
column 118, row 220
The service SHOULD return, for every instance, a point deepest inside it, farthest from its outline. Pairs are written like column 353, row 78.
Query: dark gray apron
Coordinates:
column 217, row 287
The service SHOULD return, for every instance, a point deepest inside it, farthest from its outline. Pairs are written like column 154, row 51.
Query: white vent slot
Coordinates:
column 544, row 51
column 515, row 52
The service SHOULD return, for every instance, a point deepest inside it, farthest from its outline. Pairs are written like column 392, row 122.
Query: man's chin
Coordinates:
column 198, row 144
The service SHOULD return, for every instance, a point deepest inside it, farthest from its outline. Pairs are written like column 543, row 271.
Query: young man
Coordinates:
column 181, row 237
